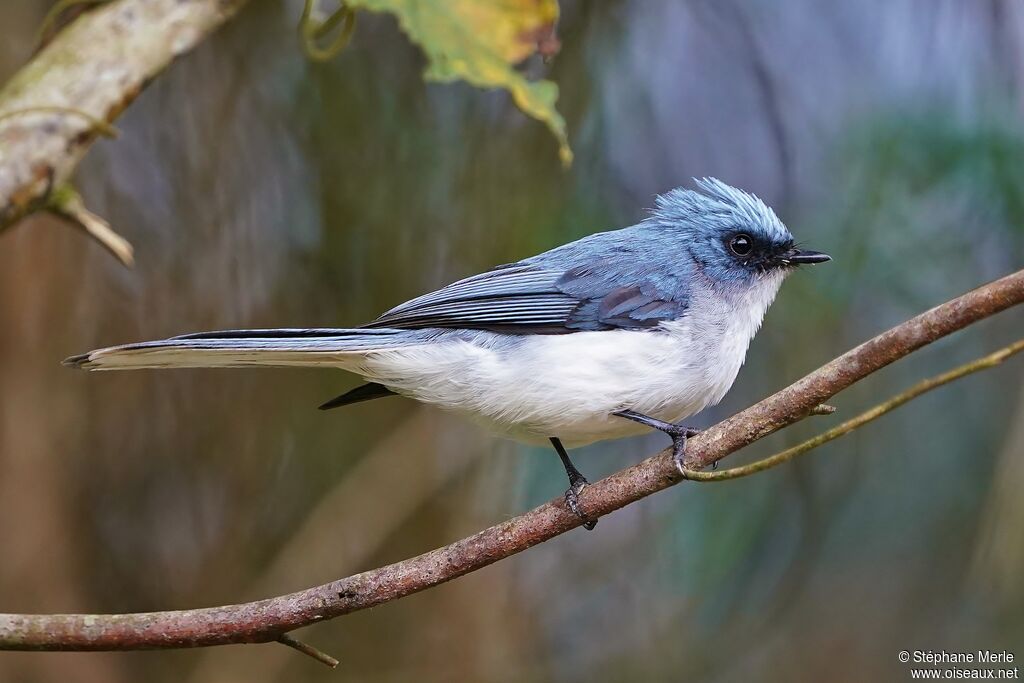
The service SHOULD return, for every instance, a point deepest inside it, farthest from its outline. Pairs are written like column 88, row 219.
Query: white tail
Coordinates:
column 246, row 348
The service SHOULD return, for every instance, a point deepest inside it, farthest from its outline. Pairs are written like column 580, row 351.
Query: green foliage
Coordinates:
column 933, row 151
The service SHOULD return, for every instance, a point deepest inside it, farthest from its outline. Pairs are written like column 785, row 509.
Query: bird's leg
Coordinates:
column 577, row 482
column 679, row 434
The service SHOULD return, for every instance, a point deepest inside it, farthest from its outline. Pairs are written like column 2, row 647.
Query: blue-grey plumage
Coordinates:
column 654, row 318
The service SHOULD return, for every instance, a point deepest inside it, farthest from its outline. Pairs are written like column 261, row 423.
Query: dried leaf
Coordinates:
column 481, row 41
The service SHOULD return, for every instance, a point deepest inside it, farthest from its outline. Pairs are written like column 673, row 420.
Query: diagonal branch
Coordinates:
column 69, row 93
column 266, row 620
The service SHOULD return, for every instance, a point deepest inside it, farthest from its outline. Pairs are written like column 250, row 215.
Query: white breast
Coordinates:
column 537, row 386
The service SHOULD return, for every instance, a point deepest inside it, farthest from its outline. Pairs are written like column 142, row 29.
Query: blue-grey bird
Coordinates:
column 596, row 339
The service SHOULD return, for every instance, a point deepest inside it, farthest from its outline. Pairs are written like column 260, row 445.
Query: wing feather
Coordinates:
column 526, row 298
column 510, row 296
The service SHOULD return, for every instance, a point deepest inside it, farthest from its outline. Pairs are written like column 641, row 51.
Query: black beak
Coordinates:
column 797, row 257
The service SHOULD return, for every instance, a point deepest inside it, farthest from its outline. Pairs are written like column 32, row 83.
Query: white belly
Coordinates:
column 538, row 386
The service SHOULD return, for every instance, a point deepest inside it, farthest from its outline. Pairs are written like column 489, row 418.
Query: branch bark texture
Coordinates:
column 266, row 620
column 58, row 104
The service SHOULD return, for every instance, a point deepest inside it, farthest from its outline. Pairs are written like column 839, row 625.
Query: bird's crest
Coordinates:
column 719, row 204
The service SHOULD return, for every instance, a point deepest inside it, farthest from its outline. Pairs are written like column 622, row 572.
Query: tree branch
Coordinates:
column 68, row 94
column 266, row 620
column 307, row 649
column 923, row 387
column 67, row 203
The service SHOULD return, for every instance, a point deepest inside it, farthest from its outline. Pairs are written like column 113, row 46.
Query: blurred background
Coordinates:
column 260, row 189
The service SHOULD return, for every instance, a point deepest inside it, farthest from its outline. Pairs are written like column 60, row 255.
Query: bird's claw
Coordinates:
column 679, row 452
column 679, row 437
column 572, row 501
column 679, row 434
column 577, row 482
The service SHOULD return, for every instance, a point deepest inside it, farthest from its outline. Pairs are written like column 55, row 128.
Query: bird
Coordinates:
column 602, row 338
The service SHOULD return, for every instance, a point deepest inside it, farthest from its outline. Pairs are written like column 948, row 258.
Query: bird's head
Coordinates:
column 732, row 235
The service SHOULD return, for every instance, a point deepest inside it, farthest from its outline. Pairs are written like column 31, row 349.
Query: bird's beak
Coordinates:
column 797, row 257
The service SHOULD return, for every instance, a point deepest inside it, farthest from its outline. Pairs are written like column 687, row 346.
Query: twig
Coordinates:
column 989, row 361
column 307, row 649
column 67, row 203
column 311, row 30
column 265, row 620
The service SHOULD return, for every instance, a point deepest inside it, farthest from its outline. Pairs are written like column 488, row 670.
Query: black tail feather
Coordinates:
column 366, row 392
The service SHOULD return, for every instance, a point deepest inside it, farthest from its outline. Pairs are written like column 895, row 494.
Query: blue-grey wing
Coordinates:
column 611, row 299
column 508, row 297
column 535, row 298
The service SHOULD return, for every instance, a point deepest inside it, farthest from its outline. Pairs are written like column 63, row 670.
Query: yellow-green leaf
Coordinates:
column 480, row 41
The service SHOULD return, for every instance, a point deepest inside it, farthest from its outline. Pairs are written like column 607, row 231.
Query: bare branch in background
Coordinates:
column 69, row 93
column 267, row 620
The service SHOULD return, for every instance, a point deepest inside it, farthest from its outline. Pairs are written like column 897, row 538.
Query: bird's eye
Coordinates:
column 741, row 245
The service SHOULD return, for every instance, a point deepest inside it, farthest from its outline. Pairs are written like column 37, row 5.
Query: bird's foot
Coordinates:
column 572, row 501
column 679, row 446
column 577, row 482
column 679, row 434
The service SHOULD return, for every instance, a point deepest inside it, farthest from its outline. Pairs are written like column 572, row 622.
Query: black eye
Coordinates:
column 741, row 245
